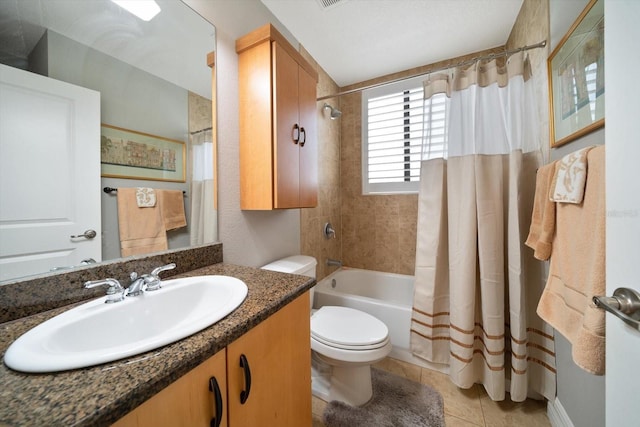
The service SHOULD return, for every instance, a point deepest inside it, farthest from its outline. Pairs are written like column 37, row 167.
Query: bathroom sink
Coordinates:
column 95, row 332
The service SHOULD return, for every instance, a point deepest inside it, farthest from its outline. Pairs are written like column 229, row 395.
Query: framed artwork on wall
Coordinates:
column 576, row 78
column 129, row 154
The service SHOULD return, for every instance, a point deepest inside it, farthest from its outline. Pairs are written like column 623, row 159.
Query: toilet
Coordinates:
column 345, row 343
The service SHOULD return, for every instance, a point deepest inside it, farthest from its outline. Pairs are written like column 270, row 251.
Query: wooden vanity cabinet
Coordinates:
column 186, row 402
column 278, row 124
column 278, row 352
column 277, row 357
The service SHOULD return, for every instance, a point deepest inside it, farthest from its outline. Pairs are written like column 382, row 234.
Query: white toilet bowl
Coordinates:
column 345, row 343
column 349, row 341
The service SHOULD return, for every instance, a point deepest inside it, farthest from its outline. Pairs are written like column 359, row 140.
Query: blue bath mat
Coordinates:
column 396, row 402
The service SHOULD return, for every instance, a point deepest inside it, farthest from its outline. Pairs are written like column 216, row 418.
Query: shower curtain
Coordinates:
column 476, row 285
column 203, row 213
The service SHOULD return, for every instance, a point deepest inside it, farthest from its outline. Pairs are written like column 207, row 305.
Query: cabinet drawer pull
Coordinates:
column 295, row 134
column 217, row 402
column 244, row 394
column 303, row 134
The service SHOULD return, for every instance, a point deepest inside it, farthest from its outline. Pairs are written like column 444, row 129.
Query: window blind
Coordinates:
column 394, row 124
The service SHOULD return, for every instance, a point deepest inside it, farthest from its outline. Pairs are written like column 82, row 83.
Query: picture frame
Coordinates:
column 130, row 154
column 576, row 78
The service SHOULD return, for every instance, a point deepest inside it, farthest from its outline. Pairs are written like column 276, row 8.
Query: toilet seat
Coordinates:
column 348, row 329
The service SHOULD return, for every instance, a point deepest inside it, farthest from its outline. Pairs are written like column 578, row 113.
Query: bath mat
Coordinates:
column 396, row 402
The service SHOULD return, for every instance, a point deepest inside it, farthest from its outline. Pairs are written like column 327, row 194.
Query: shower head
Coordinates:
column 335, row 113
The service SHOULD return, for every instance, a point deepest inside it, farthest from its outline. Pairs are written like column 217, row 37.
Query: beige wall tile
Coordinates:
column 312, row 220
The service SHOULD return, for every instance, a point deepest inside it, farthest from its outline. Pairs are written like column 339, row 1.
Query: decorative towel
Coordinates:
column 146, row 197
column 577, row 271
column 171, row 204
column 570, row 177
column 141, row 230
column 543, row 218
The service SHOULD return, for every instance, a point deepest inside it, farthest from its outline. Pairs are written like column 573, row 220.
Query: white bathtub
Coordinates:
column 387, row 296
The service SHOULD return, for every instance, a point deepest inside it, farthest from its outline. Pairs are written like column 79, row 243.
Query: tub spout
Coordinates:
column 334, row 262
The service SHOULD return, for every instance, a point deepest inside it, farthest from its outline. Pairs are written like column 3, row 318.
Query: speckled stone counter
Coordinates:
column 102, row 394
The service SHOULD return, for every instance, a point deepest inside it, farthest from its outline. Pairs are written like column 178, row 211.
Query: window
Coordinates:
column 394, row 119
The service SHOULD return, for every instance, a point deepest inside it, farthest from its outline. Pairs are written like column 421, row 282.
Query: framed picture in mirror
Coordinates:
column 130, row 154
column 576, row 78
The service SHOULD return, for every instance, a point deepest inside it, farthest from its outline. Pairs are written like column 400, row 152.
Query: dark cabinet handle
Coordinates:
column 295, row 134
column 303, row 134
column 244, row 394
column 217, row 400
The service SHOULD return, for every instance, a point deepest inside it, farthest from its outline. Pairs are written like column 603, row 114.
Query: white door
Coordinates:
column 49, row 173
column 622, row 61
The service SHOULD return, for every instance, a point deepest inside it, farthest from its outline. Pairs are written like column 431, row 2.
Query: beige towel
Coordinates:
column 543, row 218
column 171, row 204
column 570, row 177
column 141, row 229
column 577, row 271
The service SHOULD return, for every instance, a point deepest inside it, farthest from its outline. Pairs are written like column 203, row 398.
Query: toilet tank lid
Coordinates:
column 294, row 264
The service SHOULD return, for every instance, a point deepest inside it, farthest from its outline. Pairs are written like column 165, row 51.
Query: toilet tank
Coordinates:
column 296, row 264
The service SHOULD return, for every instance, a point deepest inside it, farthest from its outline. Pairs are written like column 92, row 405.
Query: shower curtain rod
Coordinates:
column 434, row 70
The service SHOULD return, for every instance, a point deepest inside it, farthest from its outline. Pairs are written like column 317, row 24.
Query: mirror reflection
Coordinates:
column 72, row 69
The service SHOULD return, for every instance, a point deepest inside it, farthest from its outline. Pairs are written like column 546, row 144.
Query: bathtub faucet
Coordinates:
column 334, row 262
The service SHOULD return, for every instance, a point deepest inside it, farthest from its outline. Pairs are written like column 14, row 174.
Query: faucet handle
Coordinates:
column 159, row 270
column 115, row 292
column 153, row 283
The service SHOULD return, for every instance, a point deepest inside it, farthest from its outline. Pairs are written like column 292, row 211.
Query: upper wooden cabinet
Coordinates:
column 278, row 126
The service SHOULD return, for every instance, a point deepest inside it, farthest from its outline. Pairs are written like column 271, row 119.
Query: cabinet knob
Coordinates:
column 303, row 135
column 295, row 133
column 244, row 364
column 217, row 402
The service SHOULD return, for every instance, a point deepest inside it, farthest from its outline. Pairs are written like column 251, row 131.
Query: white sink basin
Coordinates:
column 96, row 332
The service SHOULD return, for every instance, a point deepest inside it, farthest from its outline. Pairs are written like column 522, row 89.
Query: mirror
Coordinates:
column 154, row 77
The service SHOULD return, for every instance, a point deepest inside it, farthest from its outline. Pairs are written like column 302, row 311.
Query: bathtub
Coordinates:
column 387, row 296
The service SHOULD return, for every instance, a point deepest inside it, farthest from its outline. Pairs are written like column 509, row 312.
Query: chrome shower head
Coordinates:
column 335, row 113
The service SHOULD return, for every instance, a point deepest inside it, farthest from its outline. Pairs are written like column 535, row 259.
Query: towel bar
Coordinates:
column 110, row 190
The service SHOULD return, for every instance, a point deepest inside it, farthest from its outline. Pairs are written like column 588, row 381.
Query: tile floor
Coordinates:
column 462, row 408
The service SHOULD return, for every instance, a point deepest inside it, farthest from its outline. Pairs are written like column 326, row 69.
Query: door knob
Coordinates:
column 89, row 234
column 625, row 304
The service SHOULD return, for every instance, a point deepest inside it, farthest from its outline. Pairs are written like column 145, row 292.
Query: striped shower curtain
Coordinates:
column 476, row 284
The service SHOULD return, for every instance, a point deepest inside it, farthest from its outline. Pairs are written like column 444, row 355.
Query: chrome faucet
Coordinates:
column 147, row 282
column 334, row 262
column 115, row 293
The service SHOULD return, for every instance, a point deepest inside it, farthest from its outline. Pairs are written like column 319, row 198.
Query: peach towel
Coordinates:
column 142, row 230
column 543, row 218
column 577, row 271
column 172, row 207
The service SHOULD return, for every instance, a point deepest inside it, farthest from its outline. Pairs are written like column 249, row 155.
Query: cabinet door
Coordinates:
column 309, row 144
column 286, row 130
column 187, row 402
column 279, row 357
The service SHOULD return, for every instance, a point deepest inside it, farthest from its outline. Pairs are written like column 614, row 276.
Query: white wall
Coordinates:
column 251, row 238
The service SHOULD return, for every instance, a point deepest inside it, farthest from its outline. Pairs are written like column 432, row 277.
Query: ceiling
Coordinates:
column 176, row 36
column 357, row 40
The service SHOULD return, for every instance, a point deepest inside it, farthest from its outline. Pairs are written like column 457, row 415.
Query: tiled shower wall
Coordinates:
column 379, row 232
column 312, row 221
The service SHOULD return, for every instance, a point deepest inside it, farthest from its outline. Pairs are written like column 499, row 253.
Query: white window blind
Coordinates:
column 394, row 122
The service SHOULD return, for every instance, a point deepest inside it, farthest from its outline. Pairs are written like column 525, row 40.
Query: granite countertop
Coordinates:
column 102, row 394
